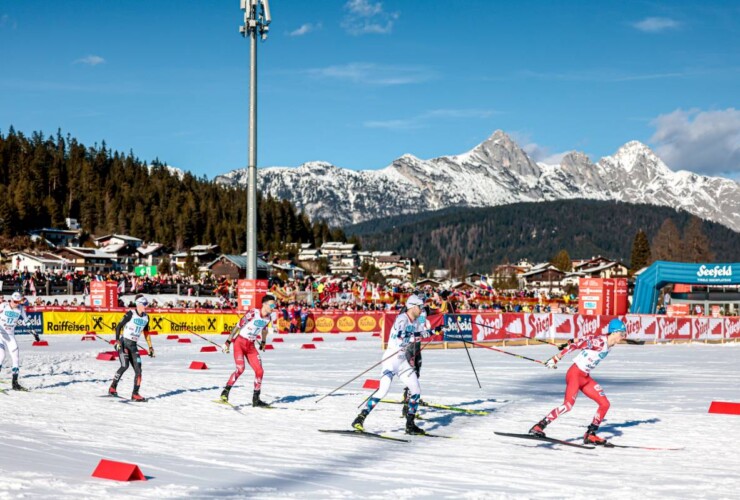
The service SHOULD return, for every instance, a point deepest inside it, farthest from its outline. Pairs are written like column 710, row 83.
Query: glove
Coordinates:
column 36, row 337
column 118, row 345
column 151, row 352
column 552, row 362
column 226, row 346
column 262, row 344
column 438, row 330
column 563, row 346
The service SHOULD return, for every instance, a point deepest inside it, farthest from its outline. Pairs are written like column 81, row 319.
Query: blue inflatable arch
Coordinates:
column 662, row 273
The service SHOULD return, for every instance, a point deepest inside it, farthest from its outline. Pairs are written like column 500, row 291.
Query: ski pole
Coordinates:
column 358, row 376
column 111, row 327
column 559, row 346
column 376, row 390
column 467, row 351
column 499, row 350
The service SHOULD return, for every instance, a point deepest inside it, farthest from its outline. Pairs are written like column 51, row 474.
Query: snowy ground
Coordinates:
column 190, row 447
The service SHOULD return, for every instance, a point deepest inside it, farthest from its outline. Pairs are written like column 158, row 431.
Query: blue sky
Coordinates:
column 360, row 82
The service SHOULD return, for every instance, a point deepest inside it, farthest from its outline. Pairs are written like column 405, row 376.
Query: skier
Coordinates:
column 134, row 323
column 415, row 353
column 593, row 349
column 10, row 313
column 249, row 335
column 405, row 334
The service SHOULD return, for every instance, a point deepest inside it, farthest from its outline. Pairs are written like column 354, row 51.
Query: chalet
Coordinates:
column 235, row 267
column 338, row 248
column 613, row 269
column 55, row 238
column 88, row 260
column 202, row 255
column 118, row 240
column 292, row 272
column 581, row 264
column 43, row 262
column 544, row 277
column 151, row 254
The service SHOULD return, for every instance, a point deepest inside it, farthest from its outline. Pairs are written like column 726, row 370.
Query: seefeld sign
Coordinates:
column 716, row 274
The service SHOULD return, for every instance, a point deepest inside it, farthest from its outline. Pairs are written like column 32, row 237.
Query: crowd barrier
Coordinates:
column 79, row 320
column 474, row 326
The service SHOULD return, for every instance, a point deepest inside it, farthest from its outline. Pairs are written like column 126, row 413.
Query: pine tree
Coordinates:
column 667, row 242
column 562, row 261
column 641, row 255
column 695, row 242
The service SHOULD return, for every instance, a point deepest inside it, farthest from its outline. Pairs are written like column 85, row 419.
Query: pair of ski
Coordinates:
column 121, row 399
column 582, row 446
column 441, row 407
column 238, row 408
column 373, row 435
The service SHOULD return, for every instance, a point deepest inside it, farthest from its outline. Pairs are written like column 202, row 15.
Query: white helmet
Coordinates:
column 414, row 300
column 16, row 297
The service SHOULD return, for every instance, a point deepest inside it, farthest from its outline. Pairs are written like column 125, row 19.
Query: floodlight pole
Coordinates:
column 256, row 20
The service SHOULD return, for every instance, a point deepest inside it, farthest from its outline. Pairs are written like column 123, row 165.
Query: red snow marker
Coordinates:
column 172, row 337
column 208, row 348
column 184, row 341
column 277, row 339
column 317, row 339
column 376, row 335
column 351, row 338
column 725, row 408
column 108, row 356
column 308, row 346
column 198, row 365
column 153, row 333
column 269, row 347
column 118, row 471
column 40, row 343
column 371, row 383
column 226, row 332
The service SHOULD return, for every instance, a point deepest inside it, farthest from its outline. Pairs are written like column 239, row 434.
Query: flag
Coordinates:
column 32, row 287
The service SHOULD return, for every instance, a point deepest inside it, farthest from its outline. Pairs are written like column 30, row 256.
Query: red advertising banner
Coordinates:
column 497, row 326
column 732, row 328
column 677, row 310
column 609, row 288
column 250, row 293
column 621, row 303
column 103, row 294
column 590, row 296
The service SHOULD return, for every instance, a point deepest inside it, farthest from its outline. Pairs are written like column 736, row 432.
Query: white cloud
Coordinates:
column 656, row 24
column 305, row 29
column 367, row 17
column 706, row 142
column 374, row 74
column 90, row 60
column 429, row 117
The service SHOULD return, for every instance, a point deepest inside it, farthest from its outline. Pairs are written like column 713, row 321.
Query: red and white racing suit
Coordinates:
column 250, row 327
column 593, row 350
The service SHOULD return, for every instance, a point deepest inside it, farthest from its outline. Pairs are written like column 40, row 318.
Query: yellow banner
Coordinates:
column 80, row 322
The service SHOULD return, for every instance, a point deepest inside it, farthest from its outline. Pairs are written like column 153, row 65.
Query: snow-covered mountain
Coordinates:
column 496, row 172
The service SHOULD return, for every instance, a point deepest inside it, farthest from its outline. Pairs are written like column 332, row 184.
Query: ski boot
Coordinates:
column 411, row 427
column 359, row 422
column 405, row 409
column 538, row 429
column 591, row 438
column 112, row 391
column 225, row 394
column 138, row 398
column 257, row 402
column 16, row 385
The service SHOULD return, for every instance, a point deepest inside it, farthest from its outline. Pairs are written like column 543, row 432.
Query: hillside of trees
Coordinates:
column 44, row 180
column 476, row 239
